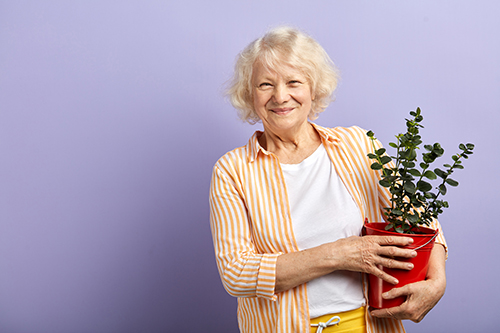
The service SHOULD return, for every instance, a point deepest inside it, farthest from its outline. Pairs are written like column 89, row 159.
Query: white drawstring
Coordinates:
column 330, row 322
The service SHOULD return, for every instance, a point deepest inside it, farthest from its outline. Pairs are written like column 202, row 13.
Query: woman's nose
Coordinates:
column 281, row 94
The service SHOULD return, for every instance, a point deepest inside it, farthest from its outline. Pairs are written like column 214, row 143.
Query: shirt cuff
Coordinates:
column 266, row 278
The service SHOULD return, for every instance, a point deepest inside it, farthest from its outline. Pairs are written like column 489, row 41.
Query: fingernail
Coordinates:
column 411, row 241
column 385, row 295
column 396, row 281
column 410, row 266
column 414, row 254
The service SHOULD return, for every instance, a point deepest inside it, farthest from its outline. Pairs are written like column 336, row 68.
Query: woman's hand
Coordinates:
column 368, row 253
column 421, row 296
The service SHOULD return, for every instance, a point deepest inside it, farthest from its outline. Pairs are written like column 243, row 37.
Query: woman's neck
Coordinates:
column 291, row 147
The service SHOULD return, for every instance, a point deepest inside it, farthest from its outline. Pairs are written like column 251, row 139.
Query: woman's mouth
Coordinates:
column 282, row 111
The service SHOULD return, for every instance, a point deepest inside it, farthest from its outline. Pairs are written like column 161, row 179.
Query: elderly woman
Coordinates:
column 287, row 209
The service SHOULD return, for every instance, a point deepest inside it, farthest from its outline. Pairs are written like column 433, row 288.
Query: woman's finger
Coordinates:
column 378, row 272
column 394, row 313
column 392, row 240
column 395, row 264
column 394, row 252
column 397, row 292
column 390, row 246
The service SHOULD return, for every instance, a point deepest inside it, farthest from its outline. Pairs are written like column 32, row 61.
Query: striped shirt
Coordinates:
column 251, row 226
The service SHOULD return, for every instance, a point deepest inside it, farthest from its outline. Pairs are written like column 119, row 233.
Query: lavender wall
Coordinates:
column 112, row 116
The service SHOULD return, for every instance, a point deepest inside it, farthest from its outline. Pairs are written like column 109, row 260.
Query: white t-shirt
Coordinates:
column 323, row 211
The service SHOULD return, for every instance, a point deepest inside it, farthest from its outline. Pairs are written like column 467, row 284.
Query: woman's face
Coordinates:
column 282, row 99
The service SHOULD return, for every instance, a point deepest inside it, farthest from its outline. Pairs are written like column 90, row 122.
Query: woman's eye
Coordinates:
column 294, row 83
column 265, row 85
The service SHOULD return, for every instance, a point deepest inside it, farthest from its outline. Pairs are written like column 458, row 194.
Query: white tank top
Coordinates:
column 323, row 211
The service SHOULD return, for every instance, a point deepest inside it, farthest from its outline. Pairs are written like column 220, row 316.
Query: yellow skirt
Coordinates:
column 350, row 321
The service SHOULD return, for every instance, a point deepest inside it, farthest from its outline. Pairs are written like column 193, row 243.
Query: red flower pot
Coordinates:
column 422, row 243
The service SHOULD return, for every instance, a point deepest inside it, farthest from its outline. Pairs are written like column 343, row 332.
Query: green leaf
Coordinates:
column 440, row 173
column 414, row 172
column 384, row 183
column 430, row 195
column 380, row 151
column 391, row 178
column 451, row 182
column 428, row 158
column 405, row 176
column 438, row 150
column 396, row 212
column 424, row 186
column 409, row 187
column 370, row 134
column 372, row 156
column 385, row 159
column 413, row 155
column 413, row 130
column 424, row 165
column 462, row 146
column 413, row 218
column 408, row 164
column 470, row 146
column 442, row 189
column 388, row 172
column 376, row 166
column 458, row 166
column 393, row 145
column 430, row 175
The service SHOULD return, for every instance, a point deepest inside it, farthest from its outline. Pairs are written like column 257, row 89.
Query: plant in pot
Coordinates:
column 415, row 201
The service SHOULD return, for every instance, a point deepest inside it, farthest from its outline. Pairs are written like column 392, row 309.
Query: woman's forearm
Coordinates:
column 357, row 254
column 437, row 267
column 296, row 268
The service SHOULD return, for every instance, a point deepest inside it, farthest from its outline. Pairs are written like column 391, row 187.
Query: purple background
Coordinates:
column 112, row 116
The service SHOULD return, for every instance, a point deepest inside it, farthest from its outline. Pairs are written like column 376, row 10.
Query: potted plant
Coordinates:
column 415, row 201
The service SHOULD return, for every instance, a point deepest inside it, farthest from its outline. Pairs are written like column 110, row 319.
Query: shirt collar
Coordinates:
column 328, row 136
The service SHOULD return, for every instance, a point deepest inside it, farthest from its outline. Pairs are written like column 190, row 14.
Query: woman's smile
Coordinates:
column 282, row 111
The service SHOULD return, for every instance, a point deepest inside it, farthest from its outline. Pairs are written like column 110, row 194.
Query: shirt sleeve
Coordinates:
column 244, row 272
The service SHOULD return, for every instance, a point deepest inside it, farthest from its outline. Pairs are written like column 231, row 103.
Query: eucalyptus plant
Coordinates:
column 415, row 201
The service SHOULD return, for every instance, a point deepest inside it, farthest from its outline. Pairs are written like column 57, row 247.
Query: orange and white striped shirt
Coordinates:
column 251, row 226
